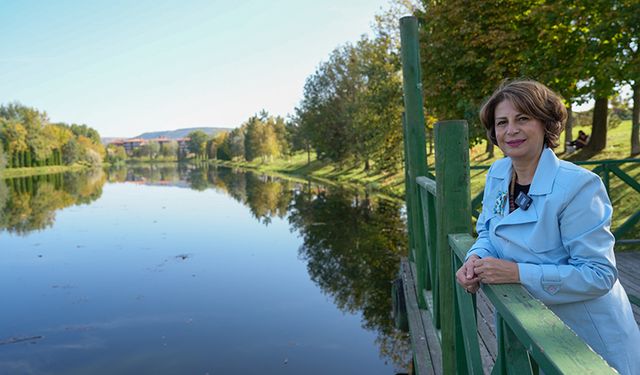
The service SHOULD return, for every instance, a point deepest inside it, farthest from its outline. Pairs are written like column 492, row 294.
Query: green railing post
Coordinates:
column 453, row 207
column 415, row 152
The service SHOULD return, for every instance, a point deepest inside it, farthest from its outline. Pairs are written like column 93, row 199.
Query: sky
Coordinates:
column 125, row 67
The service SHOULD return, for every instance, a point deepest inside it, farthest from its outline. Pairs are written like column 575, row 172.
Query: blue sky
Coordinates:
column 125, row 67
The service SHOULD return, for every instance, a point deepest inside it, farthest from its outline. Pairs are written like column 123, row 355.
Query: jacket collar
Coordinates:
column 542, row 184
column 542, row 179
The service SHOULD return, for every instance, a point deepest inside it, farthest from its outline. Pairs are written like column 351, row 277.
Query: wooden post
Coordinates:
column 415, row 144
column 453, row 214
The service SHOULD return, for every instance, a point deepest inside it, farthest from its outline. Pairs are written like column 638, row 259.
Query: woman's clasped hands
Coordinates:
column 487, row 270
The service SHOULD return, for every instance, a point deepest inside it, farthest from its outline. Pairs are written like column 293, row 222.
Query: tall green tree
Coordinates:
column 629, row 54
column 169, row 149
column 235, row 144
column 14, row 138
column 252, row 137
column 3, row 158
column 198, row 143
column 467, row 49
column 326, row 109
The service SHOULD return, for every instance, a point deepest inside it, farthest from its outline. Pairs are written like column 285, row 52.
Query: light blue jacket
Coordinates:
column 564, row 251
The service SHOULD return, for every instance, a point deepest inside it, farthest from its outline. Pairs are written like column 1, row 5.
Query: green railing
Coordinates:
column 605, row 169
column 530, row 337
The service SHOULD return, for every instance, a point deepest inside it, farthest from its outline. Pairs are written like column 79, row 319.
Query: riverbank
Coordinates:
column 298, row 166
column 393, row 183
column 624, row 198
column 36, row 171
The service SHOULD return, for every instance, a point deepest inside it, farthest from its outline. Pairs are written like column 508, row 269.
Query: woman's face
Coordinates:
column 519, row 136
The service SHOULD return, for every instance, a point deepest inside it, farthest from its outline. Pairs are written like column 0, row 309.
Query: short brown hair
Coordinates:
column 531, row 98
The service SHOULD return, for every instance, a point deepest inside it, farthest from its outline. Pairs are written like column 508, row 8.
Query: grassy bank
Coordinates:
column 625, row 200
column 618, row 141
column 35, row 171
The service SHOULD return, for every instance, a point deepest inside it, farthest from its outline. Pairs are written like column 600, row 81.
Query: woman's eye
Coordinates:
column 521, row 119
column 501, row 123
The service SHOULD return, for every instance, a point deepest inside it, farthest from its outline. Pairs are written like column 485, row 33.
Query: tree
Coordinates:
column 116, row 154
column 379, row 106
column 462, row 68
column 169, row 149
column 236, row 142
column 71, row 152
column 224, row 146
column 326, row 109
column 629, row 54
column 86, row 131
column 282, row 136
column 198, row 143
column 14, row 138
column 3, row 159
column 90, row 153
column 252, row 137
column 154, row 149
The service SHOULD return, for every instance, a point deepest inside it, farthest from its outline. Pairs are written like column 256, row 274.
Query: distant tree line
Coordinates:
column 261, row 137
column 29, row 139
column 151, row 150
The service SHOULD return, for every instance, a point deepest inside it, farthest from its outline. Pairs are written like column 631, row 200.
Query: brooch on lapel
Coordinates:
column 501, row 200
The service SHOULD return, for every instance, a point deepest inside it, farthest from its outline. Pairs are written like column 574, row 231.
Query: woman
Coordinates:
column 545, row 224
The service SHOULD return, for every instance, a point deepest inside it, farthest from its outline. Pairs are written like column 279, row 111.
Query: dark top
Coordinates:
column 520, row 188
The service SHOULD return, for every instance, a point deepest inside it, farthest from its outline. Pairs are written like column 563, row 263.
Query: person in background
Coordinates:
column 581, row 141
column 545, row 224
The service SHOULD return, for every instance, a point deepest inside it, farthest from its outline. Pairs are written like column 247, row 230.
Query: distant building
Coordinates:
column 133, row 143
column 129, row 144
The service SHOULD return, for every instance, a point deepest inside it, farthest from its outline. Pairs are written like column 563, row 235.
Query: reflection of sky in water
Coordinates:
column 166, row 280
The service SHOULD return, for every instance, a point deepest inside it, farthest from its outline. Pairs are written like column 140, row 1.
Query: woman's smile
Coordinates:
column 515, row 143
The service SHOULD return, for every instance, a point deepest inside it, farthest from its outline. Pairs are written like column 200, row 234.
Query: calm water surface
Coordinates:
column 195, row 271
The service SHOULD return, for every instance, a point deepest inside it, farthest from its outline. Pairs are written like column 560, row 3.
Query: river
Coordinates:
column 196, row 270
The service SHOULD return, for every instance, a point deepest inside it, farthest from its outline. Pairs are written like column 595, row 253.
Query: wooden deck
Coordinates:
column 628, row 264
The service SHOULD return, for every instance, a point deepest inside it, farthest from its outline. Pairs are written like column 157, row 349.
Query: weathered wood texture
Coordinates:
column 427, row 356
column 628, row 272
column 628, row 264
column 415, row 140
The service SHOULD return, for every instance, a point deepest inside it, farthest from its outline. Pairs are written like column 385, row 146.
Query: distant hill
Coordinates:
column 171, row 134
column 180, row 133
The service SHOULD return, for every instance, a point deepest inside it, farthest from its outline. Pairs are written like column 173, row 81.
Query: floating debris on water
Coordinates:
column 15, row 340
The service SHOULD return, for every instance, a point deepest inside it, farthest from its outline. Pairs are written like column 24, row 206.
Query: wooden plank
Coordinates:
column 467, row 332
column 453, row 215
column 433, row 341
column 427, row 183
column 486, row 331
column 555, row 348
column 432, row 333
column 421, row 354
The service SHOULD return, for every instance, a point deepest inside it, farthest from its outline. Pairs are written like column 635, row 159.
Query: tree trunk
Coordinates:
column 568, row 130
column 635, row 120
column 598, row 138
column 308, row 154
column 489, row 149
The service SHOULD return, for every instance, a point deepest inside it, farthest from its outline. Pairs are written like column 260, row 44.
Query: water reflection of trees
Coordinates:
column 30, row 203
column 352, row 245
column 352, row 242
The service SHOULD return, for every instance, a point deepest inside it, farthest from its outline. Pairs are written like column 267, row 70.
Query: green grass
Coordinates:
column 35, row 171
